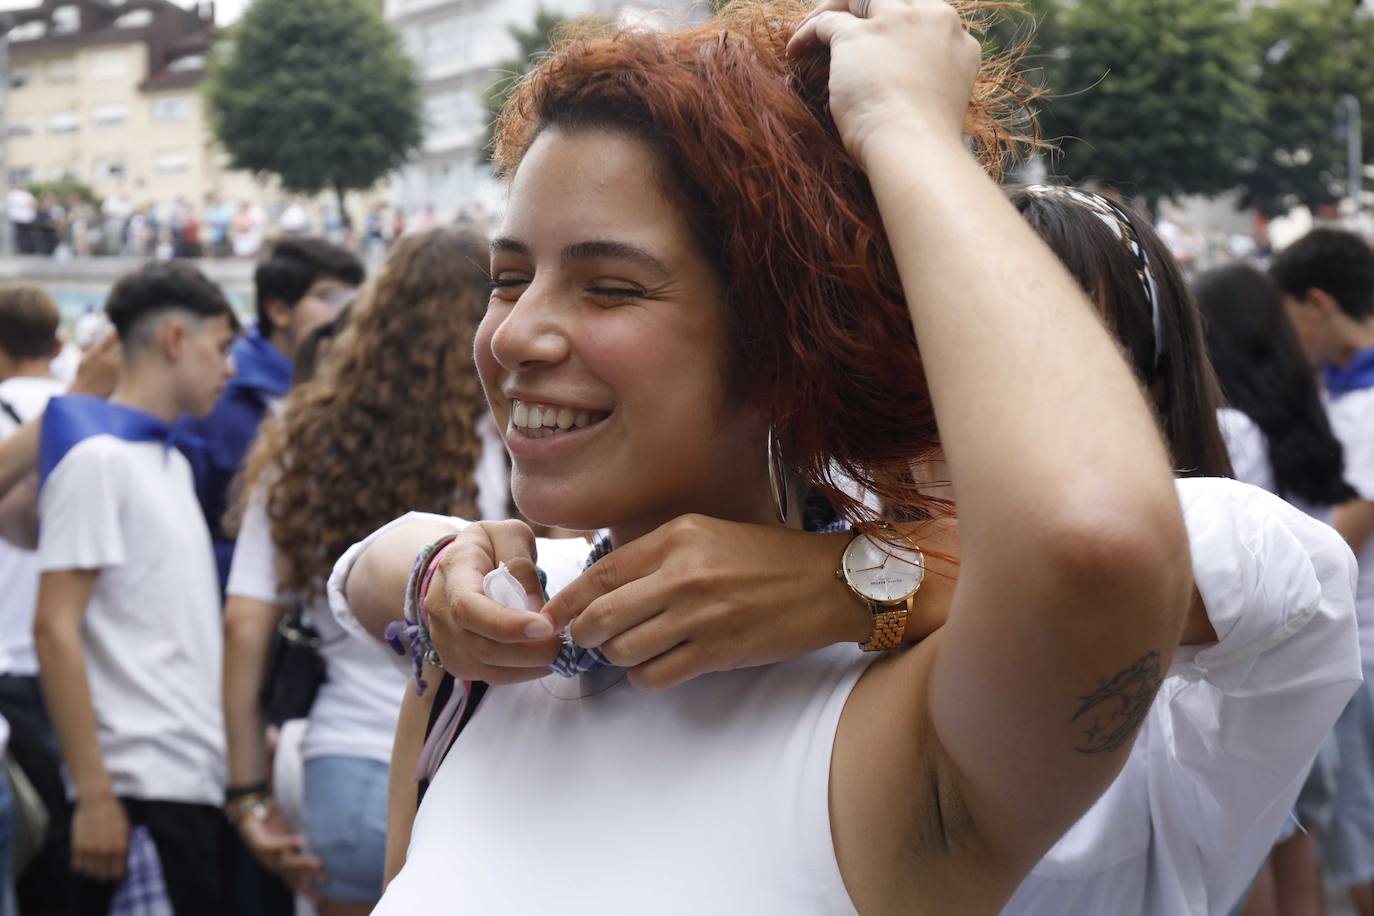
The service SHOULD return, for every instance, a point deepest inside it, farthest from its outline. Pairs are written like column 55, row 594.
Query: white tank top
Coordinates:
column 712, row 797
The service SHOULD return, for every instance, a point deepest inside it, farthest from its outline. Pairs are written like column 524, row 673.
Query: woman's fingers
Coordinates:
column 650, row 639
column 627, row 564
column 819, row 30
column 677, row 666
column 612, row 614
column 528, row 654
column 479, row 615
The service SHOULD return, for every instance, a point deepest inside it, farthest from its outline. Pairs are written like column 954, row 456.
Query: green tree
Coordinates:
column 316, row 92
column 1157, row 98
column 532, row 43
column 1308, row 54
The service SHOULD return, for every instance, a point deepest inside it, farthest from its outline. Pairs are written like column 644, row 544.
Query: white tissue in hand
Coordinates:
column 503, row 588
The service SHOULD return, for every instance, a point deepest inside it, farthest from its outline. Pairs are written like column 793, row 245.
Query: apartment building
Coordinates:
column 456, row 45
column 105, row 91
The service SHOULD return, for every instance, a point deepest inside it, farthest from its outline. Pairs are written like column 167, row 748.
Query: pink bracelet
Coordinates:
column 424, row 582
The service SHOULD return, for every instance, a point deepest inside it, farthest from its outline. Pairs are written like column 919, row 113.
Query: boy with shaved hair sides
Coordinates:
column 128, row 628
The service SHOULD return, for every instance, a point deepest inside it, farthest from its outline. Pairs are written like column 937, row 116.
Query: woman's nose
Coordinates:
column 533, row 332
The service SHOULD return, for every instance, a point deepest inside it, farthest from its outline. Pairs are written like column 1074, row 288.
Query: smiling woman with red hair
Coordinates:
column 714, row 267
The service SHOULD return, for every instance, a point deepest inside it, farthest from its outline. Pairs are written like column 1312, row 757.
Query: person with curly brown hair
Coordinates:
column 393, row 419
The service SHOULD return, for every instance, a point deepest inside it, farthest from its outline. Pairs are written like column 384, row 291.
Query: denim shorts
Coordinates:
column 345, row 825
column 1347, row 845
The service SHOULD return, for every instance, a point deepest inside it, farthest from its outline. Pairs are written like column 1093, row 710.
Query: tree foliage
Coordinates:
column 1157, row 99
column 532, row 44
column 1308, row 54
column 316, row 92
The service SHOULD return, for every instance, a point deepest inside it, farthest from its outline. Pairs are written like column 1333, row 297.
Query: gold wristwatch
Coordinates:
column 886, row 576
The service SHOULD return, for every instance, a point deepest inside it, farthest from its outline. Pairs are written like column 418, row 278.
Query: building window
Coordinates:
column 109, row 63
column 134, row 19
column 187, row 64
column 29, row 31
column 111, row 115
column 19, row 129
column 61, row 70
column 109, row 169
column 64, row 122
column 66, row 19
column 20, row 77
column 172, row 108
column 172, row 162
column 19, row 178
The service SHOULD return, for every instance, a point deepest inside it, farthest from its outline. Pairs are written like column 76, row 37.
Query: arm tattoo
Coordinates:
column 1116, row 708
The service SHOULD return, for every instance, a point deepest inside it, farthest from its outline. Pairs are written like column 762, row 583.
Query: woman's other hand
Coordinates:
column 478, row 639
column 280, row 851
column 904, row 64
column 700, row 595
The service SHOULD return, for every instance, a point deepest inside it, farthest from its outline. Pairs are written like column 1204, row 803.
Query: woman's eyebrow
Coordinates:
column 507, row 244
column 619, row 251
column 593, row 249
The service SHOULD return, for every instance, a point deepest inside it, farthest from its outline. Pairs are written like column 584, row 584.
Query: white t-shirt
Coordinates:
column 355, row 712
column 1352, row 420
column 1182, row 830
column 153, row 635
column 1248, row 448
column 19, row 567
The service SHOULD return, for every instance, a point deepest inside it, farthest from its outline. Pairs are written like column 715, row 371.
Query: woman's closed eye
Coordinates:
column 615, row 293
column 512, row 284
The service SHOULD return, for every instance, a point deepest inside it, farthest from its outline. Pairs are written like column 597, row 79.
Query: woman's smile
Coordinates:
column 543, row 429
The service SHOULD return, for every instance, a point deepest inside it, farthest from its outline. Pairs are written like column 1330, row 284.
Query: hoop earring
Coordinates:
column 777, row 476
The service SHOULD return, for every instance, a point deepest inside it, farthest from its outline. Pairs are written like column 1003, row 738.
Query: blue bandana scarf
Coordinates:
column 260, row 367
column 1354, row 377
column 73, row 419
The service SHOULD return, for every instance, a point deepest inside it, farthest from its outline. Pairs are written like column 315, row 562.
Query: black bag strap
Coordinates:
column 442, row 693
column 10, row 412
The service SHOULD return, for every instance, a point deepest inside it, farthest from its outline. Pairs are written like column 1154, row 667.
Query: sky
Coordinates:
column 226, row 11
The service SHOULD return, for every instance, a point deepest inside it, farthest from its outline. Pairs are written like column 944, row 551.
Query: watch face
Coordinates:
column 882, row 572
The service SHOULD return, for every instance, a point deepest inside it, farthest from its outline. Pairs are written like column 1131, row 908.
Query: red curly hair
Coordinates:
column 822, row 338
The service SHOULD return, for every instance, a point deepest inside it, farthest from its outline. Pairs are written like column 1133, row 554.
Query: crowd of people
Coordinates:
column 74, row 226
column 1066, row 610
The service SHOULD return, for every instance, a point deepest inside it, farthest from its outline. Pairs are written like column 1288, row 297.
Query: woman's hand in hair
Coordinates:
column 99, row 368
column 906, row 65
column 477, row 638
column 700, row 595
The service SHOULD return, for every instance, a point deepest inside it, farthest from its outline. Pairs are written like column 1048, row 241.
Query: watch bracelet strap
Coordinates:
column 889, row 629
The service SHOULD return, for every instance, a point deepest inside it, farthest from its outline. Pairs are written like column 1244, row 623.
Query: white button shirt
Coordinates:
column 1229, row 739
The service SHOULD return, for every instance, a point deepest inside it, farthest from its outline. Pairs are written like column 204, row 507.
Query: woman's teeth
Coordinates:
column 541, row 420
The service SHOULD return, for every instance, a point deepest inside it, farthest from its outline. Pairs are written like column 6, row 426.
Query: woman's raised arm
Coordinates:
column 1075, row 573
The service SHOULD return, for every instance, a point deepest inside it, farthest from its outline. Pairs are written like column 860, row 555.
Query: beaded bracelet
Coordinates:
column 258, row 806
column 410, row 635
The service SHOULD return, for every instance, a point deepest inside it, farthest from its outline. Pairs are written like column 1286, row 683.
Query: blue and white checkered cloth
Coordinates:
column 572, row 659
column 143, row 892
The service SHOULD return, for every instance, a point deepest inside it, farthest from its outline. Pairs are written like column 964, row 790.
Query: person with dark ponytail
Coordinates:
column 1275, row 426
